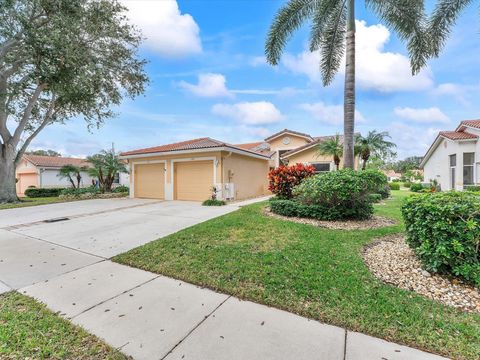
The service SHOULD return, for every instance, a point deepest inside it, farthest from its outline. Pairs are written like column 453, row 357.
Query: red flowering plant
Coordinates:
column 283, row 179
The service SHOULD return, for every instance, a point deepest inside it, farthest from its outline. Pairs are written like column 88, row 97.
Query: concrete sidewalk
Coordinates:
column 65, row 265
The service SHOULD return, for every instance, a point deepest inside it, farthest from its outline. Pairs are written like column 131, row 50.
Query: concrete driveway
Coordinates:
column 65, row 265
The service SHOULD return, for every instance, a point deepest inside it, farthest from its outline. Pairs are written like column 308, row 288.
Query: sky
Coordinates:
column 209, row 78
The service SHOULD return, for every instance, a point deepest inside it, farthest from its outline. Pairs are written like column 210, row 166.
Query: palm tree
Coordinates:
column 374, row 144
column 333, row 32
column 332, row 147
column 70, row 172
column 105, row 166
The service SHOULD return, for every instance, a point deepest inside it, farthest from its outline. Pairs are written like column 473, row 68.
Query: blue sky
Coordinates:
column 209, row 78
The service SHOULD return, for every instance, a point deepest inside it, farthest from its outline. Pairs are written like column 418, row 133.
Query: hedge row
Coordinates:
column 444, row 231
column 43, row 192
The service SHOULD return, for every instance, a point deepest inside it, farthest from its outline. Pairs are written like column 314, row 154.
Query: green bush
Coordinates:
column 416, row 187
column 336, row 195
column 394, row 186
column 121, row 189
column 407, row 184
column 474, row 188
column 212, row 202
column 444, row 231
column 42, row 192
column 77, row 192
column 377, row 182
column 375, row 198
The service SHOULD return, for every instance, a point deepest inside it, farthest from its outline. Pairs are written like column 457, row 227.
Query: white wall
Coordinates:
column 50, row 178
column 438, row 165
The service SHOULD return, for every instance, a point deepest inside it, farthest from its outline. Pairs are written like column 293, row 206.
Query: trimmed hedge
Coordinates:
column 415, row 187
column 394, row 186
column 377, row 182
column 444, row 231
column 121, row 189
column 336, row 195
column 475, row 188
column 214, row 202
column 375, row 198
column 43, row 192
column 81, row 191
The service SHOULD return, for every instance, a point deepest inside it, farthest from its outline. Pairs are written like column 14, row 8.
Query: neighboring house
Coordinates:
column 392, row 175
column 189, row 170
column 454, row 157
column 42, row 172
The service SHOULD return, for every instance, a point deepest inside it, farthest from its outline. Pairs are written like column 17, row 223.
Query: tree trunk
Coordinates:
column 8, row 191
column 349, row 94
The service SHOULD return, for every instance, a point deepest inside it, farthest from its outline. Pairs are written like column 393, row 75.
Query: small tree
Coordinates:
column 105, row 167
column 374, row 144
column 48, row 152
column 332, row 147
column 72, row 172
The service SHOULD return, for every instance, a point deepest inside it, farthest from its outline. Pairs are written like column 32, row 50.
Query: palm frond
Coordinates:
column 443, row 19
column 332, row 43
column 320, row 17
column 288, row 19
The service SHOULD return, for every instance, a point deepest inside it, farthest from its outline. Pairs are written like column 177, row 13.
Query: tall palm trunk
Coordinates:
column 349, row 94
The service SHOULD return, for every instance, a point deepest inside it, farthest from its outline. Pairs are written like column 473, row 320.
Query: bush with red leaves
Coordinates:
column 284, row 178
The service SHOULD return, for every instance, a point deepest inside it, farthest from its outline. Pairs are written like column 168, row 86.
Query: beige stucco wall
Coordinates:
column 249, row 175
column 295, row 141
column 311, row 156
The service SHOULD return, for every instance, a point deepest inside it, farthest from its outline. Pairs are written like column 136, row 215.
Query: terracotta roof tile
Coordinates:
column 458, row 135
column 54, row 161
column 471, row 123
column 249, row 146
column 194, row 144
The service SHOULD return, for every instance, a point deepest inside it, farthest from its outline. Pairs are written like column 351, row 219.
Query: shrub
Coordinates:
column 444, row 231
column 375, row 179
column 394, row 186
column 415, row 187
column 121, row 189
column 474, row 188
column 283, row 179
column 213, row 202
column 407, row 184
column 34, row 192
column 375, row 198
column 337, row 195
column 80, row 191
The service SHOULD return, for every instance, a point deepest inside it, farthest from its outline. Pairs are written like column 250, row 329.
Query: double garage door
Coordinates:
column 192, row 180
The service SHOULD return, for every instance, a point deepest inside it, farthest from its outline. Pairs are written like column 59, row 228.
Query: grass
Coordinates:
column 314, row 272
column 25, row 202
column 29, row 331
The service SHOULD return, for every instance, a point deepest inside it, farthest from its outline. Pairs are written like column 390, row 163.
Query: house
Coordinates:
column 453, row 160
column 42, row 172
column 190, row 170
column 392, row 175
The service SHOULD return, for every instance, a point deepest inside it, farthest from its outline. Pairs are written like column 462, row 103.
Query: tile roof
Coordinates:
column 458, row 135
column 288, row 131
column 318, row 139
column 470, row 123
column 249, row 146
column 54, row 161
column 194, row 144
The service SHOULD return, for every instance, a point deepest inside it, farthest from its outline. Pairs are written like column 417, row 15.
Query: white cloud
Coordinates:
column 169, row 32
column 460, row 92
column 329, row 114
column 426, row 115
column 412, row 140
column 258, row 61
column 249, row 113
column 209, row 85
column 376, row 69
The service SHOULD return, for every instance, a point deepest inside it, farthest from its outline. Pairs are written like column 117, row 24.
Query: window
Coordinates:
column 468, row 162
column 116, row 179
column 280, row 160
column 453, row 164
column 321, row 167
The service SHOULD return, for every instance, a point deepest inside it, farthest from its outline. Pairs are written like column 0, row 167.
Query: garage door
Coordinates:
column 193, row 180
column 150, row 181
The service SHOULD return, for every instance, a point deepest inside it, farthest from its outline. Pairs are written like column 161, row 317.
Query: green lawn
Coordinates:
column 24, row 202
column 310, row 271
column 29, row 331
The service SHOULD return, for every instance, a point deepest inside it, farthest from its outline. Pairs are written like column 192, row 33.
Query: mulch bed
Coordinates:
column 374, row 223
column 391, row 260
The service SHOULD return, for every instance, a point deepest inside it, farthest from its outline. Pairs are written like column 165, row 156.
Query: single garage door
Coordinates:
column 150, row 181
column 193, row 180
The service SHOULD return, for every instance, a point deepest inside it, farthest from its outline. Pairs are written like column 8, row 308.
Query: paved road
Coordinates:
column 65, row 265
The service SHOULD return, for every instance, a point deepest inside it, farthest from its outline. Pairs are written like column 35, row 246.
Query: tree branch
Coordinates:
column 46, row 120
column 26, row 114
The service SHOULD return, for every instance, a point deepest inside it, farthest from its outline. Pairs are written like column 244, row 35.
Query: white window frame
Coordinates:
column 472, row 166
